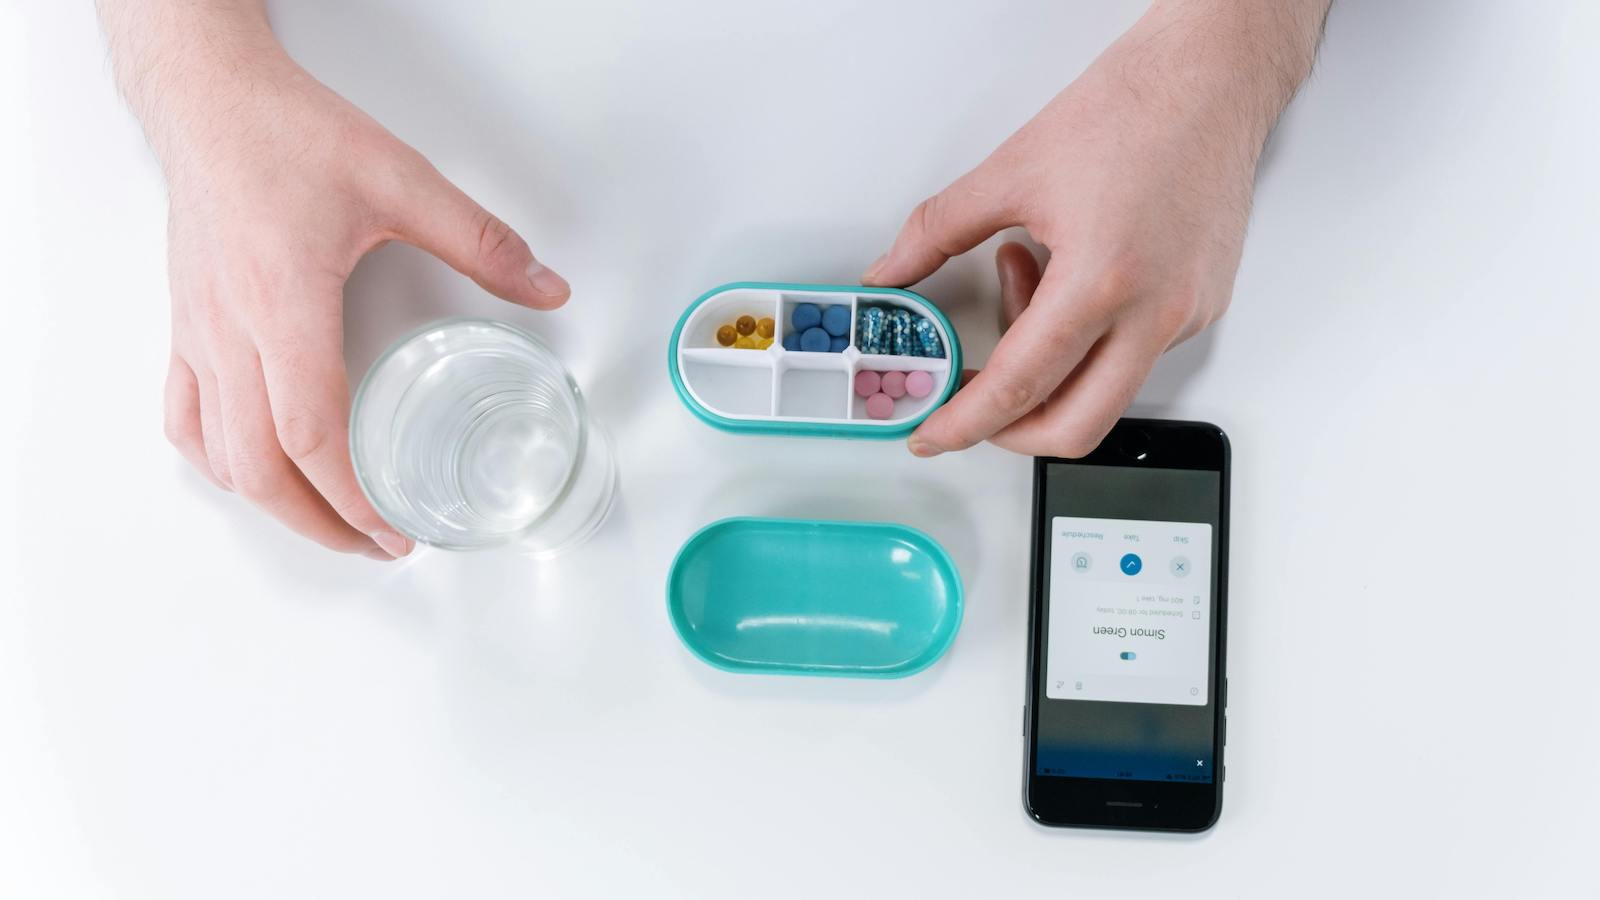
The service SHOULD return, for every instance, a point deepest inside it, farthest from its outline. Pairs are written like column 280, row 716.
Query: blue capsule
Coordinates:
column 926, row 341
column 900, row 341
column 871, row 327
column 837, row 344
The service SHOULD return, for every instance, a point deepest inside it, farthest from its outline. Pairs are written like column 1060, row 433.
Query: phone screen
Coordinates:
column 1126, row 688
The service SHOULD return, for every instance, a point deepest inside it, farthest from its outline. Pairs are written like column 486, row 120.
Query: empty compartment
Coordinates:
column 813, row 394
column 729, row 390
column 726, row 308
column 841, row 321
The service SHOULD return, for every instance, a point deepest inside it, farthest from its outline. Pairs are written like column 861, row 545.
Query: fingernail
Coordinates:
column 922, row 448
column 392, row 544
column 547, row 282
column 872, row 270
column 377, row 554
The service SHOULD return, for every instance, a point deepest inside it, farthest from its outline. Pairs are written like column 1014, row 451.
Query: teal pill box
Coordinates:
column 856, row 599
column 794, row 392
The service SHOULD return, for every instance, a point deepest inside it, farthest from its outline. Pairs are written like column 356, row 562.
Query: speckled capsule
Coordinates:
column 900, row 339
column 927, row 341
column 871, row 336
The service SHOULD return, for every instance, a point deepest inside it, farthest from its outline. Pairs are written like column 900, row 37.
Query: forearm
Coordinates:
column 180, row 63
column 1242, row 57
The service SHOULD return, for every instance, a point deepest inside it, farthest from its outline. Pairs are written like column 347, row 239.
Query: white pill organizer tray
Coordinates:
column 797, row 392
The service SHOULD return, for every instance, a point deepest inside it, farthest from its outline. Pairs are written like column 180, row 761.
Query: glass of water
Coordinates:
column 470, row 433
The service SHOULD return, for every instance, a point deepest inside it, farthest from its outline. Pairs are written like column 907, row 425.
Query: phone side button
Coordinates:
column 1024, row 720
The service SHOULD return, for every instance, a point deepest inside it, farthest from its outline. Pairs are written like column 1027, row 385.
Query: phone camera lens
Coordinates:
column 1136, row 444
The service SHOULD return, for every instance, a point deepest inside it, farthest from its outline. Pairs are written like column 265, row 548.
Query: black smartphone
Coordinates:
column 1127, row 627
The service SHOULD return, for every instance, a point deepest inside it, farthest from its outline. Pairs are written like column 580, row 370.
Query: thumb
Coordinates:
column 949, row 223
column 435, row 215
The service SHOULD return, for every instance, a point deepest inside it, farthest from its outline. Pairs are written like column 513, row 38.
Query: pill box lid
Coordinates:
column 808, row 597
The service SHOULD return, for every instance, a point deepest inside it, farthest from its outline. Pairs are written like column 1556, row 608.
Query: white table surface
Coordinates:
column 195, row 703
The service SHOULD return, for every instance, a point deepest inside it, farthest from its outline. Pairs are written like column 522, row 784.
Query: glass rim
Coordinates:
column 580, row 407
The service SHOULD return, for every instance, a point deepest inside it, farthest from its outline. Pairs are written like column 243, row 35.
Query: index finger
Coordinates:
column 310, row 399
column 1038, row 351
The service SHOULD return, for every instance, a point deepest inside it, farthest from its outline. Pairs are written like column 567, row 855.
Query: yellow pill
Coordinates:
column 745, row 342
column 766, row 328
column 746, row 324
column 726, row 335
column 763, row 343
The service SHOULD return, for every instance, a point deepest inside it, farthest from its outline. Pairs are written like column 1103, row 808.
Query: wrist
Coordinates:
column 183, row 66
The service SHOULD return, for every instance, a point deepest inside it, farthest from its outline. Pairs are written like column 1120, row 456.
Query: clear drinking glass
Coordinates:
column 470, row 433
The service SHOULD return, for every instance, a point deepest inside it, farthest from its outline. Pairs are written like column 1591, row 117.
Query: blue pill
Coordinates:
column 837, row 344
column 814, row 340
column 805, row 315
column 791, row 341
column 836, row 320
column 926, row 341
column 900, row 342
column 1129, row 654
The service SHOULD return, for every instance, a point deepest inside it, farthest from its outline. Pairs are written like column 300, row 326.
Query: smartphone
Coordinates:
column 1127, row 698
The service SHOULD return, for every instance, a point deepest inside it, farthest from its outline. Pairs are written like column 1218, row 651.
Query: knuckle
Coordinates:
column 496, row 240
column 1111, row 287
column 1074, row 446
column 253, row 478
column 925, row 220
column 392, row 170
column 219, row 465
column 1177, row 312
column 216, row 452
column 1015, row 396
column 301, row 432
column 214, row 319
column 179, row 432
column 1076, row 441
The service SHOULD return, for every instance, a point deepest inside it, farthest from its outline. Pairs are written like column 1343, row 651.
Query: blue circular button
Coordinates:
column 1131, row 563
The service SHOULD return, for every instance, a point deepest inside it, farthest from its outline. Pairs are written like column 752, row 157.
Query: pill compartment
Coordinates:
column 791, row 301
column 702, row 332
column 732, row 385
column 813, row 393
column 906, row 407
column 780, row 391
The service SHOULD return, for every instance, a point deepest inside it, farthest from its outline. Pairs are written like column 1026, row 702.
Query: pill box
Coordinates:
column 806, row 597
column 779, row 389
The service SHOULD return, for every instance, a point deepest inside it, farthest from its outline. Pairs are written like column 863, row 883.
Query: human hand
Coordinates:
column 277, row 188
column 1138, row 180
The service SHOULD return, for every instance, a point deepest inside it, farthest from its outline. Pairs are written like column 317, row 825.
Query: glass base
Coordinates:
column 594, row 488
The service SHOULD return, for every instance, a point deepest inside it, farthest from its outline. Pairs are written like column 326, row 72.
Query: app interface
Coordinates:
column 1130, row 611
column 1128, row 625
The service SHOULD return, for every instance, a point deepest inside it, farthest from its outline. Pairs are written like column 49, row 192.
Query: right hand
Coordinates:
column 277, row 188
